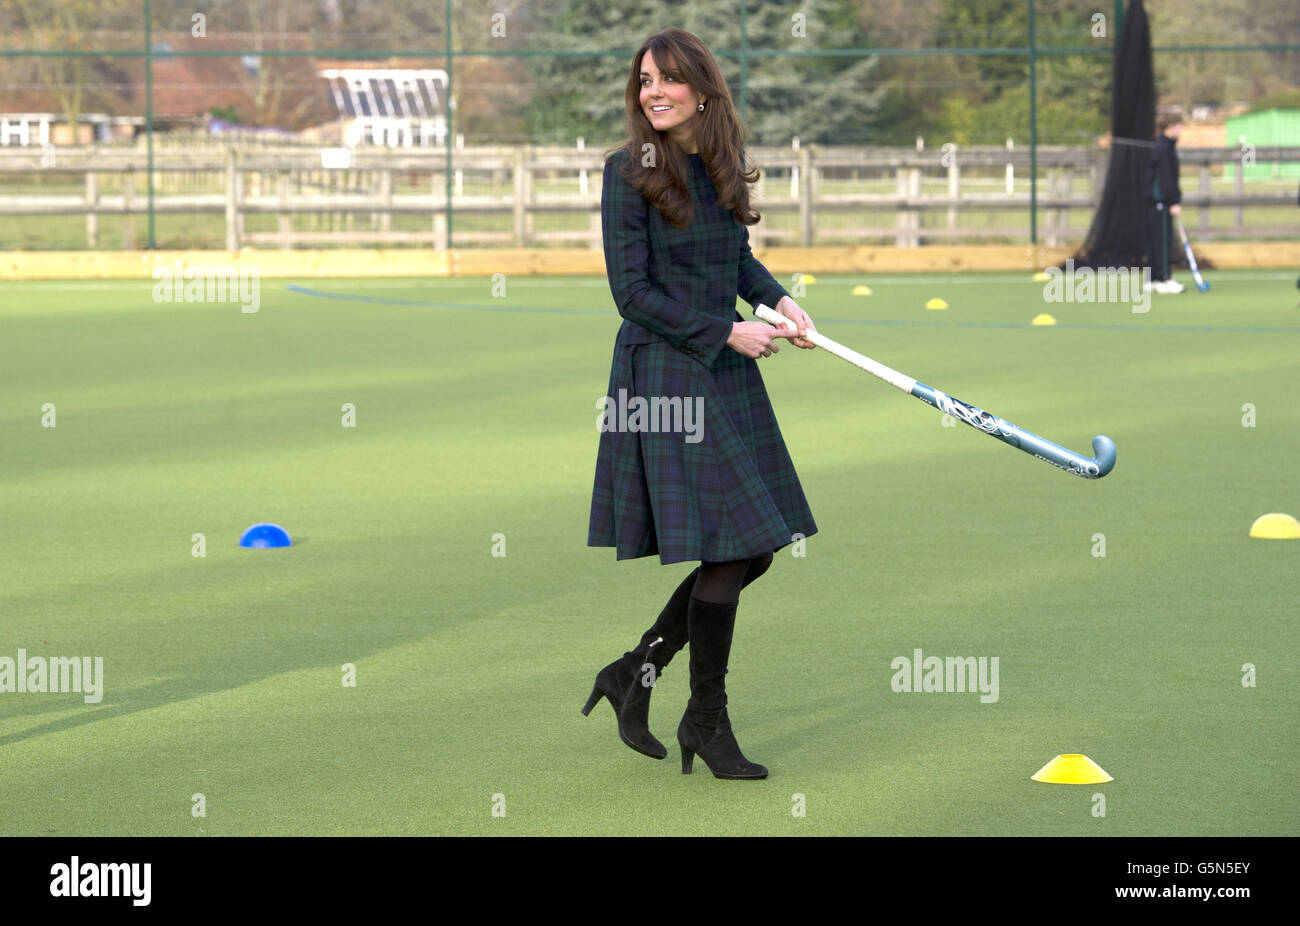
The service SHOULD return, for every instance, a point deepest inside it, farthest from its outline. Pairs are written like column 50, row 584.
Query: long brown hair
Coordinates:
column 719, row 134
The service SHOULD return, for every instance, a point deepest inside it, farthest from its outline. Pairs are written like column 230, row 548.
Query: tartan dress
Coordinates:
column 731, row 492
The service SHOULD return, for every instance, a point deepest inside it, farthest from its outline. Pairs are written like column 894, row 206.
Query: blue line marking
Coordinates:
column 383, row 300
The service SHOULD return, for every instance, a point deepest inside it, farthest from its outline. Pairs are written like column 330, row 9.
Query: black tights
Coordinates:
column 720, row 583
column 717, row 583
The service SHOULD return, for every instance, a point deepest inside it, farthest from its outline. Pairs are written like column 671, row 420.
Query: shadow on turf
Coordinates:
column 340, row 624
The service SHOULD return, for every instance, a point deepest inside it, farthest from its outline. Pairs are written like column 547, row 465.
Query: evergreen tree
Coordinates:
column 829, row 100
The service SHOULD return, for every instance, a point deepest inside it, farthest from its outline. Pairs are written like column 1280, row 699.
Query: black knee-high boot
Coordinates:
column 705, row 728
column 628, row 681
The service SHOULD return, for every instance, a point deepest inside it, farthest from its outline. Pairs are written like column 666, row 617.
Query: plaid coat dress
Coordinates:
column 727, row 491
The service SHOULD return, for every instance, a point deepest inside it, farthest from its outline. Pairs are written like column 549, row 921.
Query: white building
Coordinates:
column 393, row 107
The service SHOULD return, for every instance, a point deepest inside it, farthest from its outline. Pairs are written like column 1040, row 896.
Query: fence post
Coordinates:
column 440, row 230
column 369, row 186
column 386, row 190
column 1239, row 187
column 1067, row 193
column 908, row 221
column 315, row 188
column 283, row 220
column 806, row 196
column 128, row 221
column 1204, row 190
column 439, row 215
column 900, row 216
column 954, row 192
column 1053, row 215
column 350, row 181
column 916, row 213
column 338, row 187
column 92, row 202
column 232, row 205
column 521, row 191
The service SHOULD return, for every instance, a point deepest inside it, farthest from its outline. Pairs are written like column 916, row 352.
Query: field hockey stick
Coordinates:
column 980, row 420
column 1191, row 259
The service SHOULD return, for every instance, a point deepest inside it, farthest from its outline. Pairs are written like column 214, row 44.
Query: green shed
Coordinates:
column 1265, row 128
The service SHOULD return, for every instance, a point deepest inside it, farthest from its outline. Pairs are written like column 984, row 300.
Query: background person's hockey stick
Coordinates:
column 1191, row 258
column 980, row 420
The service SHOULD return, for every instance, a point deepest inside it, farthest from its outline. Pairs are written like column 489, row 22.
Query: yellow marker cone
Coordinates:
column 1275, row 526
column 1072, row 769
column 862, row 290
column 809, row 278
column 936, row 303
column 1041, row 277
column 1043, row 319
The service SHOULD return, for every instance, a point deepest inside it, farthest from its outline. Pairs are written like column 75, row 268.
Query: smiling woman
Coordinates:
column 675, row 212
column 669, row 103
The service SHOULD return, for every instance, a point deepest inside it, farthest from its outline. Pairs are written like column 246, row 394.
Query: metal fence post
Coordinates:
column 1033, row 123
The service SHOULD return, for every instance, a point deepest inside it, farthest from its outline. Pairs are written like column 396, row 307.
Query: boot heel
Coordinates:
column 688, row 759
column 596, row 695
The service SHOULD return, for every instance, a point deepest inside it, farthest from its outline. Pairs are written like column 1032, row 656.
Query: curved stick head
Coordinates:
column 1104, row 449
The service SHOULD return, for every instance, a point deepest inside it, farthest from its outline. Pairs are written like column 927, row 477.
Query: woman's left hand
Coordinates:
column 790, row 309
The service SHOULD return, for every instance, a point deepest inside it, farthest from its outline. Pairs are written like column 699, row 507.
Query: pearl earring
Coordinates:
column 700, row 107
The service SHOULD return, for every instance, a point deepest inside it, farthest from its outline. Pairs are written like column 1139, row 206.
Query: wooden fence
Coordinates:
column 912, row 198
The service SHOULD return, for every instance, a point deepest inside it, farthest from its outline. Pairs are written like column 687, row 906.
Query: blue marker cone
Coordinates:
column 265, row 535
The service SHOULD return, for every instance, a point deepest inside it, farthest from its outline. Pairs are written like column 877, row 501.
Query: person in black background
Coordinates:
column 1163, row 201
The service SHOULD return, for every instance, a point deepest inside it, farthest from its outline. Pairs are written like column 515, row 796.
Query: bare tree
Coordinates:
column 66, row 25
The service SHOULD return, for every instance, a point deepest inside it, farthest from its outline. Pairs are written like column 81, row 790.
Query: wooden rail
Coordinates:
column 911, row 199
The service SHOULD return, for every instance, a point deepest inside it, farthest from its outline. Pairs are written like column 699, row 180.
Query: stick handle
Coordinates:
column 879, row 370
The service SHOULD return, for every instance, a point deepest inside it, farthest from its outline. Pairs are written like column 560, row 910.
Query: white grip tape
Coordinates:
column 879, row 370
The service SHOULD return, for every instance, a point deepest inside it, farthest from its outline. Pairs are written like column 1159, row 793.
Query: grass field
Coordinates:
column 475, row 416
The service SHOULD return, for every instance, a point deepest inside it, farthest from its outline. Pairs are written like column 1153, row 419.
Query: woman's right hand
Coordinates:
column 757, row 339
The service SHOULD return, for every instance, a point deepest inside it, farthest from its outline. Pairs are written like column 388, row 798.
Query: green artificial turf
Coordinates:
column 476, row 416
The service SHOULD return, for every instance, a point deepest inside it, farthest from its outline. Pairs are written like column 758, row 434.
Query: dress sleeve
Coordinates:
column 624, row 216
column 757, row 285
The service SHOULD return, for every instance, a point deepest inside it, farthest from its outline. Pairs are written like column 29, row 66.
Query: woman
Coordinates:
column 675, row 206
